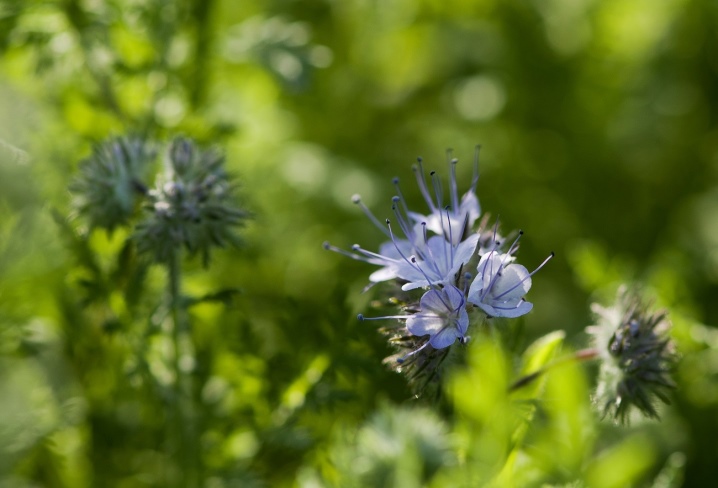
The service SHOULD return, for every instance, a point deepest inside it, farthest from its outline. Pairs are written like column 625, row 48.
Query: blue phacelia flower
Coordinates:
column 500, row 284
column 442, row 317
column 433, row 252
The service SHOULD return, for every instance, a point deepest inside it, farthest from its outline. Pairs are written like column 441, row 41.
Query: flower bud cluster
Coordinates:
column 110, row 182
column 637, row 357
column 461, row 267
column 191, row 205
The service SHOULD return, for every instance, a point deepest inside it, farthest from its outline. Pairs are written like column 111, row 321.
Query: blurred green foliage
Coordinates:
column 599, row 126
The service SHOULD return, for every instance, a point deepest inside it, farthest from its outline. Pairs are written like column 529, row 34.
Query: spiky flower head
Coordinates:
column 192, row 205
column 110, row 181
column 637, row 357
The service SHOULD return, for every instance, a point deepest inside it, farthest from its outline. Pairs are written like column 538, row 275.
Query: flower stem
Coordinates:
column 187, row 453
column 582, row 355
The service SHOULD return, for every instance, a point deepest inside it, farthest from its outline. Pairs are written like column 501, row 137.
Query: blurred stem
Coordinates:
column 201, row 12
column 188, row 457
column 578, row 356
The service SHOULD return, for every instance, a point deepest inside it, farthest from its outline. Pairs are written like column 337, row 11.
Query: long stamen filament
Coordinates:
column 370, row 254
column 407, row 356
column 438, row 190
column 527, row 276
column 501, row 266
column 515, row 245
column 428, row 257
column 432, row 285
column 496, row 229
column 404, row 223
column 362, row 318
column 475, row 179
column 486, row 263
column 451, row 240
column 421, row 181
column 412, row 261
column 452, row 183
column 356, row 199
column 401, row 196
column 348, row 254
column 424, row 254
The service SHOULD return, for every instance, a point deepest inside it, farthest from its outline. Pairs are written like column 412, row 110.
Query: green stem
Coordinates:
column 188, row 454
column 582, row 355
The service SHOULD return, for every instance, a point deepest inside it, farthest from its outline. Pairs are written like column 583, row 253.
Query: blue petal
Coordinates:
column 444, row 338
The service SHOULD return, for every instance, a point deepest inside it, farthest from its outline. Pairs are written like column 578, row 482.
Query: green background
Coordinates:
column 598, row 122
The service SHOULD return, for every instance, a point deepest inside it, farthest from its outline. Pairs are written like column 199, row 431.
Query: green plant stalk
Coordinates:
column 187, row 452
column 578, row 356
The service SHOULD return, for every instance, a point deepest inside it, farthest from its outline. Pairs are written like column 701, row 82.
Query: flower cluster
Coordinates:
column 637, row 357
column 191, row 205
column 460, row 265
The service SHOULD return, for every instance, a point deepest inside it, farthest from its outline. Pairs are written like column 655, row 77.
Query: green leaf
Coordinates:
column 225, row 296
column 534, row 359
column 622, row 464
column 541, row 351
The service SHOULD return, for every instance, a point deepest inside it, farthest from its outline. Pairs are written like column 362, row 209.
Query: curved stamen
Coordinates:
column 412, row 261
column 426, row 254
column 438, row 190
column 475, row 179
column 451, row 239
column 432, row 285
column 452, row 182
column 495, row 247
column 515, row 245
column 435, row 288
column 356, row 199
column 408, row 231
column 406, row 356
column 404, row 223
column 462, row 228
column 348, row 254
column 430, row 263
column 401, row 196
column 486, row 262
column 362, row 318
column 496, row 230
column 501, row 266
column 528, row 276
column 373, row 255
column 421, row 181
column 429, row 259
